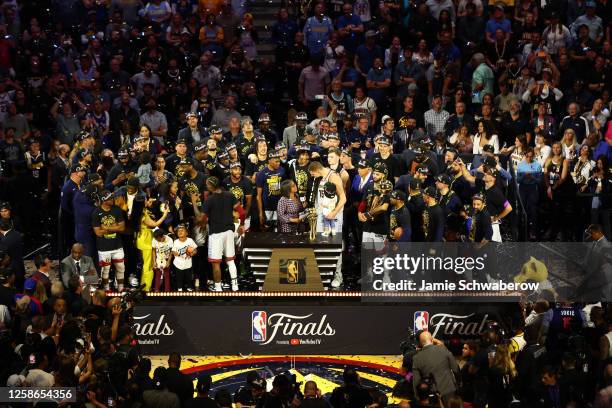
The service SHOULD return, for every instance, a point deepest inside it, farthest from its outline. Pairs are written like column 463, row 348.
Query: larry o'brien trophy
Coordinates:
column 295, row 269
column 311, row 218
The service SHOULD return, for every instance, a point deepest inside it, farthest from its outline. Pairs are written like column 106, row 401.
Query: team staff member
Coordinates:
column 399, row 219
column 242, row 189
column 219, row 209
column 107, row 221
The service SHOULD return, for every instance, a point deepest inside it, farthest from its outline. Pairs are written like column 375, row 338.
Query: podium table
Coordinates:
column 259, row 247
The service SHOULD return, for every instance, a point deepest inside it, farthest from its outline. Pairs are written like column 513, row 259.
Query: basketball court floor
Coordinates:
column 380, row 372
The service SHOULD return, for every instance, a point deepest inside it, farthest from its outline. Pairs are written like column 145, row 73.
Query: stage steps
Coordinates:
column 264, row 17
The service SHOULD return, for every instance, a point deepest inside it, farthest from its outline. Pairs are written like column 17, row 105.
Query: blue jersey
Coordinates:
column 316, row 33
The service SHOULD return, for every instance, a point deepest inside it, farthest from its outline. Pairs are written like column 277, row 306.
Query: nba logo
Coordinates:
column 259, row 323
column 421, row 321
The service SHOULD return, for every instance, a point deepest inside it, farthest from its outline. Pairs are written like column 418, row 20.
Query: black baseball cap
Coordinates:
column 223, row 156
column 363, row 164
column 431, row 191
column 200, row 146
column 415, row 184
column 213, row 181
column 235, row 164
column 105, row 195
column 488, row 148
column 215, row 129
column 398, row 195
column 490, row 161
column 78, row 169
column 380, row 167
column 230, row 146
column 181, row 141
column 185, row 161
column 444, row 179
column 384, row 141
column 478, row 197
column 273, row 155
column 422, row 169
column 82, row 135
column 303, row 147
column 301, row 116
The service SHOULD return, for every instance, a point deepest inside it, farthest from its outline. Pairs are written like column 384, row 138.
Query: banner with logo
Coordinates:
column 304, row 330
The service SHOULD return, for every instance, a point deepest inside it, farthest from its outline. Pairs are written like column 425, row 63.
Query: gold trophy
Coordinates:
column 311, row 217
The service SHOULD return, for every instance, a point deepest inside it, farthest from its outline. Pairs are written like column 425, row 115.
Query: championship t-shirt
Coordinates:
column 239, row 189
column 162, row 251
column 400, row 218
column 183, row 261
column 270, row 181
column 373, row 199
column 299, row 175
column 494, row 198
column 192, row 186
column 102, row 218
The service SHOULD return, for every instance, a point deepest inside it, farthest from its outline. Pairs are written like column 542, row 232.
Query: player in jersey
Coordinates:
column 324, row 175
column 268, row 183
column 192, row 183
column 219, row 209
column 108, row 222
column 298, row 170
column 242, row 189
column 399, row 219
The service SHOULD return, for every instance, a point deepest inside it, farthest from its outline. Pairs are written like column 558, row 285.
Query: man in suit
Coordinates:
column 193, row 132
column 13, row 242
column 597, row 266
column 294, row 134
column 43, row 268
column 76, row 264
column 434, row 360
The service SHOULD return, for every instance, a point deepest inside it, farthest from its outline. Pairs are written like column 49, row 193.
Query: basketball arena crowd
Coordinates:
column 140, row 141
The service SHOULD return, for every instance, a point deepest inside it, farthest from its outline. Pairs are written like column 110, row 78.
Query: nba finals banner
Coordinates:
column 304, row 330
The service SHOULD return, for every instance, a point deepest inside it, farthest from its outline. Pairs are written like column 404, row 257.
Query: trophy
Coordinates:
column 311, row 217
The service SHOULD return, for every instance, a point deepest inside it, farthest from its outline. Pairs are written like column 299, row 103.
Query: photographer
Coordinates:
column 435, row 361
column 352, row 394
column 284, row 394
column 312, row 396
column 252, row 393
column 426, row 396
